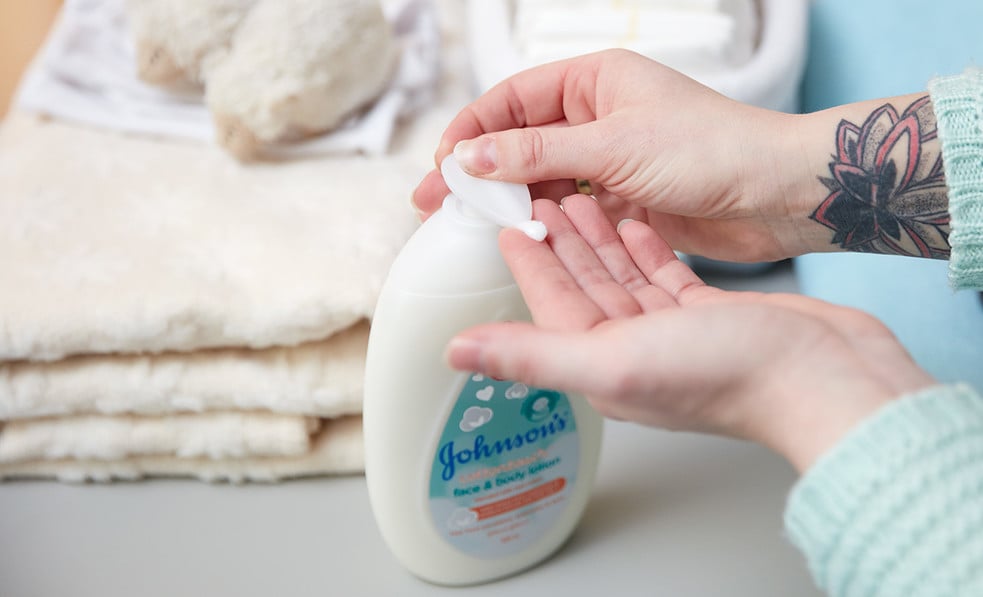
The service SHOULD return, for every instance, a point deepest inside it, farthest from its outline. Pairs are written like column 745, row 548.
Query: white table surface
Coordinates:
column 671, row 514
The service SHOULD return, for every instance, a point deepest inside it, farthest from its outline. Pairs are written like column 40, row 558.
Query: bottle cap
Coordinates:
column 505, row 203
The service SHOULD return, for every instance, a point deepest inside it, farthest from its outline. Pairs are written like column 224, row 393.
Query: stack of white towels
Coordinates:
column 165, row 310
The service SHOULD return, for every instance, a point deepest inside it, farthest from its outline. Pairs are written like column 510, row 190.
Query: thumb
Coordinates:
column 536, row 154
column 523, row 352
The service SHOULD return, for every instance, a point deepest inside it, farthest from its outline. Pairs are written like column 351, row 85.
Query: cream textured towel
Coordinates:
column 168, row 312
column 124, row 244
column 321, row 379
column 112, row 244
column 336, row 449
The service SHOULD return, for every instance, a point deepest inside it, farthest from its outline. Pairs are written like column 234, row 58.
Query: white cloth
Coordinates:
column 112, row 243
column 86, row 74
column 319, row 379
column 336, row 449
column 214, row 435
column 169, row 312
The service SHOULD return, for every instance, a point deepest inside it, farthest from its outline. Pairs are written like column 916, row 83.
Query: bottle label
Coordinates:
column 505, row 466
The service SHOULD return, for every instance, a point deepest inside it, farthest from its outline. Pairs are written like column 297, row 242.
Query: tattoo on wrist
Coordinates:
column 887, row 192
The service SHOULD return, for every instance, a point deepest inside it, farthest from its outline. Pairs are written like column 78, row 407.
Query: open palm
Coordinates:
column 618, row 318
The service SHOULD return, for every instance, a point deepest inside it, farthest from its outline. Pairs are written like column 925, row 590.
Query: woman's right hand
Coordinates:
column 709, row 174
column 712, row 176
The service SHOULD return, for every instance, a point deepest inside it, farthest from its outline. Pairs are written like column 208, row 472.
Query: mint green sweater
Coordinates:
column 895, row 509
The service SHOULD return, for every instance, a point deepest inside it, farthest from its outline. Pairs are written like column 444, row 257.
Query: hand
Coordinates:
column 621, row 320
column 711, row 175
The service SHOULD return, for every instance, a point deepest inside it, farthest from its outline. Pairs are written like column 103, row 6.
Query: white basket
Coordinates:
column 770, row 79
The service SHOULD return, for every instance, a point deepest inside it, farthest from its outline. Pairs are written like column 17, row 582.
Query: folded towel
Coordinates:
column 110, row 243
column 169, row 312
column 226, row 405
column 336, row 449
column 87, row 74
column 319, row 379
column 214, row 435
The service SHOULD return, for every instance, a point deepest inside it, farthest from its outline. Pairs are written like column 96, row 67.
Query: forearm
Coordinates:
column 868, row 177
column 895, row 507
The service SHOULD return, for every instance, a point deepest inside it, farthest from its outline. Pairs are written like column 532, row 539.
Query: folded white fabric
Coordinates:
column 336, row 449
column 86, row 74
column 169, row 312
column 159, row 279
column 110, row 243
column 318, row 379
column 214, row 435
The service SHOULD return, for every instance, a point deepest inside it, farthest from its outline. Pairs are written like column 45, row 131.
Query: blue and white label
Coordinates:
column 504, row 467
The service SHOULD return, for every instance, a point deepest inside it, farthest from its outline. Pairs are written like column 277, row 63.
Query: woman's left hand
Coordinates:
column 621, row 320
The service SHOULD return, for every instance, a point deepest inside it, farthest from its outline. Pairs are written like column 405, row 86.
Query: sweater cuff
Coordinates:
column 958, row 103
column 895, row 498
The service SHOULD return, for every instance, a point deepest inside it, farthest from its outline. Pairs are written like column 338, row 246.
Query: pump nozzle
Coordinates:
column 506, row 203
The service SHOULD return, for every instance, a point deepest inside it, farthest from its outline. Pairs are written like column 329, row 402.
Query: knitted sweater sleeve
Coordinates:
column 896, row 507
column 958, row 102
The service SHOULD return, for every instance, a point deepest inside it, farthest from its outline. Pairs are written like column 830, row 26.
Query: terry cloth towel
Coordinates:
column 335, row 449
column 86, row 74
column 153, row 280
column 167, row 311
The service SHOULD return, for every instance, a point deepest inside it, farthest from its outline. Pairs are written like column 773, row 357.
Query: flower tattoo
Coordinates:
column 887, row 193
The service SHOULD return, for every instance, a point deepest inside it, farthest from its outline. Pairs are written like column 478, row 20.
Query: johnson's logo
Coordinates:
column 450, row 455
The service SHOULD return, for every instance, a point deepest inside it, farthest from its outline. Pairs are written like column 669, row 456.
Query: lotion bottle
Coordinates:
column 470, row 478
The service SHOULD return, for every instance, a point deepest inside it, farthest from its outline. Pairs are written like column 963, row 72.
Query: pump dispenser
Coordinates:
column 470, row 478
column 505, row 203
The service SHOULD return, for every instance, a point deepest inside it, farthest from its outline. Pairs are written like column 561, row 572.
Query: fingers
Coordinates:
column 593, row 225
column 533, row 97
column 553, row 296
column 534, row 154
column 660, row 265
column 523, row 352
column 429, row 194
column 554, row 190
column 580, row 260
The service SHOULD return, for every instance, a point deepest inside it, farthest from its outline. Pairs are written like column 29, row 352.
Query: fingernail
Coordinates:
column 477, row 156
column 623, row 222
column 464, row 354
column 419, row 212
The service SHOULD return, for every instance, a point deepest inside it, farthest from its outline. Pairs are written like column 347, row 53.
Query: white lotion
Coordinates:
column 470, row 478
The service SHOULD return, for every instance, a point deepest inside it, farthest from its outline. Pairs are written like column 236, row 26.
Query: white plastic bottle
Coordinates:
column 470, row 478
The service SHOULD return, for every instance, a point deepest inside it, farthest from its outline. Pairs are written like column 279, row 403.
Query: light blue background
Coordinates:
column 865, row 49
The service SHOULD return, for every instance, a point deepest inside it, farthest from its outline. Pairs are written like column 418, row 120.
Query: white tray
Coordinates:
column 770, row 79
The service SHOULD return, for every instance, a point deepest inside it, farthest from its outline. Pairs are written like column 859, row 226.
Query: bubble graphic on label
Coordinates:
column 477, row 377
column 485, row 394
column 517, row 391
column 462, row 518
column 474, row 417
column 539, row 404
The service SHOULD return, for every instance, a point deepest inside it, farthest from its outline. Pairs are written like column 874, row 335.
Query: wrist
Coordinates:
column 781, row 181
column 869, row 179
column 812, row 423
